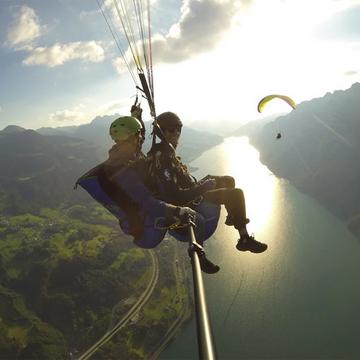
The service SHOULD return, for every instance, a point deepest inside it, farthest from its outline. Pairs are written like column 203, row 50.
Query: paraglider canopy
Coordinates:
column 262, row 103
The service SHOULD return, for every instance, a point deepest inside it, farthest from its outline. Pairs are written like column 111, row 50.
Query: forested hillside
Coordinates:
column 67, row 271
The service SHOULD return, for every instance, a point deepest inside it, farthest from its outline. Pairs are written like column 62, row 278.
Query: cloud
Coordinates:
column 115, row 106
column 203, row 23
column 1, row 109
column 120, row 65
column 74, row 116
column 24, row 29
column 201, row 26
column 87, row 110
column 343, row 24
column 351, row 72
column 121, row 106
column 88, row 15
column 58, row 54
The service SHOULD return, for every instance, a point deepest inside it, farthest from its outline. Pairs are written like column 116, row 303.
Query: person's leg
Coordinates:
column 182, row 234
column 211, row 214
column 150, row 238
column 234, row 201
column 151, row 235
column 226, row 181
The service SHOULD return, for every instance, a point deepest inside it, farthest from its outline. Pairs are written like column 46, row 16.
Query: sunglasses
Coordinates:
column 173, row 128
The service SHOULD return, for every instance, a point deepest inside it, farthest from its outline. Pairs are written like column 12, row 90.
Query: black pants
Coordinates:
column 233, row 199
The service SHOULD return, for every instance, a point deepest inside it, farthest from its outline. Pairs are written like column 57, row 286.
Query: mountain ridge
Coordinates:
column 319, row 151
column 41, row 170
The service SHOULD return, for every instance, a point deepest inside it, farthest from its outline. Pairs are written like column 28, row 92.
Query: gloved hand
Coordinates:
column 136, row 112
column 184, row 214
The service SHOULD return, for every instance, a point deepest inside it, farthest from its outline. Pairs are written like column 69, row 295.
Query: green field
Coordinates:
column 67, row 274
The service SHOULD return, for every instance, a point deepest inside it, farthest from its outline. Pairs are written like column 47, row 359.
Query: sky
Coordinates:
column 213, row 60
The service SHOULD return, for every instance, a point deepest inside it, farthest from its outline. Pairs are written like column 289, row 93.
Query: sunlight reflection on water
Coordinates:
column 300, row 298
column 262, row 195
column 242, row 162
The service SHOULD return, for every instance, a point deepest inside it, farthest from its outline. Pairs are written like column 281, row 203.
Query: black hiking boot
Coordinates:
column 250, row 244
column 207, row 266
column 231, row 222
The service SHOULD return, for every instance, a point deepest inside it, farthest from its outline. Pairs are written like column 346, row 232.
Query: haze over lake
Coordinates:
column 298, row 300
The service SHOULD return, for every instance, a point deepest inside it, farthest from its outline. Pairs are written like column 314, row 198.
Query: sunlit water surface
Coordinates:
column 298, row 300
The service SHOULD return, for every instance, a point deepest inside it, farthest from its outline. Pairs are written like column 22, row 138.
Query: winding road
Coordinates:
column 131, row 313
column 180, row 276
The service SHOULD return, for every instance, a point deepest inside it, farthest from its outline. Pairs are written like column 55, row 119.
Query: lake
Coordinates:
column 298, row 300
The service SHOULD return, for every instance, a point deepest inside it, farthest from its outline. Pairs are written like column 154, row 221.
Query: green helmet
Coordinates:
column 123, row 127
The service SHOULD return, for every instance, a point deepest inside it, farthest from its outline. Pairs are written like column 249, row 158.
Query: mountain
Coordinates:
column 253, row 127
column 95, row 132
column 319, row 151
column 64, row 131
column 39, row 171
column 13, row 129
column 192, row 143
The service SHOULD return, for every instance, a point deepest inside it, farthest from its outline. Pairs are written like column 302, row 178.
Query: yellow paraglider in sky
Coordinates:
column 268, row 98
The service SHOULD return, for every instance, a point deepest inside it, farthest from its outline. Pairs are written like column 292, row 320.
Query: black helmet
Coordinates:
column 168, row 120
